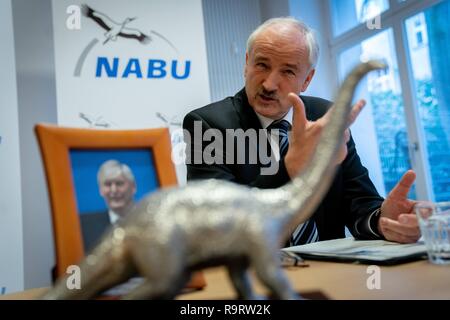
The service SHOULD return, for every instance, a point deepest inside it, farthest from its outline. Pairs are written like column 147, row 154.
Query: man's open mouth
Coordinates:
column 266, row 98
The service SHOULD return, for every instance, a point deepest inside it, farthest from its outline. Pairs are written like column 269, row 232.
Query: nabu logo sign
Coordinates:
column 150, row 69
column 120, row 30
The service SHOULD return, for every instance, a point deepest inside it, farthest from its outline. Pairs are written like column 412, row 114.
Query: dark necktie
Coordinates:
column 283, row 127
column 305, row 232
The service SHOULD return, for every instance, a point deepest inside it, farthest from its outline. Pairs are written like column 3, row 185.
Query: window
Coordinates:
column 349, row 13
column 408, row 125
column 429, row 62
column 383, row 95
column 417, row 26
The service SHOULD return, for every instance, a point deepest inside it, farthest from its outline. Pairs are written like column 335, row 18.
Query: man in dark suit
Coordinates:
column 280, row 63
column 117, row 186
column 93, row 225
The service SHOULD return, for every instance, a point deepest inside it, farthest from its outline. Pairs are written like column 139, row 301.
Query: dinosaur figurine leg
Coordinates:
column 238, row 273
column 163, row 268
column 269, row 272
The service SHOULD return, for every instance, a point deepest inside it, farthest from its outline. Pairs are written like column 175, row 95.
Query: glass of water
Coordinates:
column 434, row 222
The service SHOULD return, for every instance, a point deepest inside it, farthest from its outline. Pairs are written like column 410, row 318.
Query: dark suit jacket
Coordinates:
column 93, row 225
column 350, row 200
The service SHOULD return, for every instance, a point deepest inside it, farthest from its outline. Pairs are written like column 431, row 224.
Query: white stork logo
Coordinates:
column 114, row 30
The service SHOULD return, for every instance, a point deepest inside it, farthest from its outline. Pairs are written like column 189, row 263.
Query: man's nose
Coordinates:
column 113, row 187
column 271, row 82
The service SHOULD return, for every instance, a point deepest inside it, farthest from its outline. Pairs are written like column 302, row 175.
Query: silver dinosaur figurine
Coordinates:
column 176, row 231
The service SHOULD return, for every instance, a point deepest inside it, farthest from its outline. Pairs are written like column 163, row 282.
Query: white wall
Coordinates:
column 271, row 9
column 37, row 103
column 11, row 244
column 233, row 20
column 312, row 13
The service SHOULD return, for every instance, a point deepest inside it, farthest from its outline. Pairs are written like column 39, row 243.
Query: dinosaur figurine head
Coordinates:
column 176, row 231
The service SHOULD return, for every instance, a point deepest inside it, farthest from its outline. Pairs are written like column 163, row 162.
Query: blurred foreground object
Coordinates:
column 207, row 223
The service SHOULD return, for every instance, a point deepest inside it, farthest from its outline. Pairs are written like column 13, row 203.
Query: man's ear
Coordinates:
column 308, row 79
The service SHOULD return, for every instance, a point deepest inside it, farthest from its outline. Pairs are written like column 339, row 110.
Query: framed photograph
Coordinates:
column 94, row 177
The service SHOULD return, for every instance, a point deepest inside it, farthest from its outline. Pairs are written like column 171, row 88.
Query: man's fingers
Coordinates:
column 356, row 110
column 402, row 188
column 299, row 120
column 408, row 229
column 393, row 235
column 408, row 219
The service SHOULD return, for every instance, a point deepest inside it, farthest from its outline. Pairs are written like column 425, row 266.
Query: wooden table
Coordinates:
column 415, row 280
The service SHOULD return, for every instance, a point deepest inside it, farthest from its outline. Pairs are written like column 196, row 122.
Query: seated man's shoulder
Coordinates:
column 221, row 112
column 215, row 107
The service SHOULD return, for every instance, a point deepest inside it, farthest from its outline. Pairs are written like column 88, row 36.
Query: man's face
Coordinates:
column 118, row 192
column 277, row 64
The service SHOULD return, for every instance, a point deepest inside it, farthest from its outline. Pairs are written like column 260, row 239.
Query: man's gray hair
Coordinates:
column 311, row 41
column 113, row 168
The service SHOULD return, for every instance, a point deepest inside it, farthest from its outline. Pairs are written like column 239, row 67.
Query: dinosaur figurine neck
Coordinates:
column 302, row 195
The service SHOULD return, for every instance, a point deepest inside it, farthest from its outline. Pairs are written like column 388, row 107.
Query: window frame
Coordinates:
column 394, row 18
